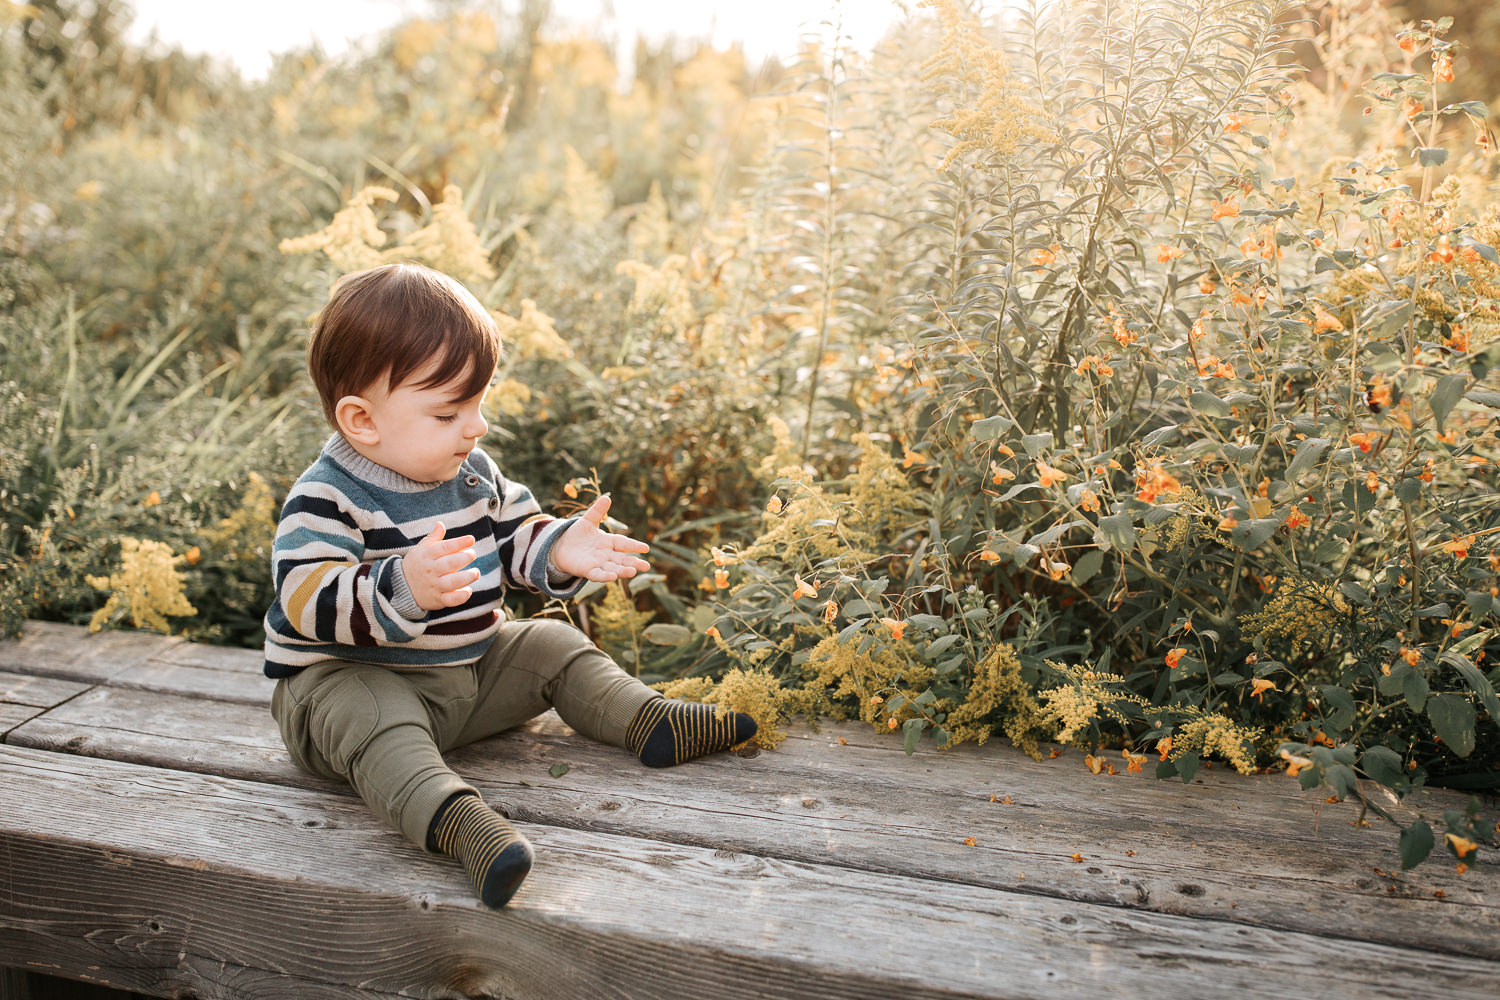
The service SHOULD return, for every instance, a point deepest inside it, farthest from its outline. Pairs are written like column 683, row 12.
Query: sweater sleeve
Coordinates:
column 525, row 536
column 325, row 589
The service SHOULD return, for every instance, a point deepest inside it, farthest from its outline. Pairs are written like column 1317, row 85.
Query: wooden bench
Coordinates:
column 154, row 837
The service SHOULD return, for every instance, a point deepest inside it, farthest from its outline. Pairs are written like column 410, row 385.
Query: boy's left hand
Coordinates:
column 587, row 550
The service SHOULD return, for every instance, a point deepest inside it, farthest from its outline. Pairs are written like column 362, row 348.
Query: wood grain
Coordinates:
column 250, row 888
column 842, row 808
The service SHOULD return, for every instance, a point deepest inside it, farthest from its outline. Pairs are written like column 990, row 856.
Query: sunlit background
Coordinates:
column 248, row 35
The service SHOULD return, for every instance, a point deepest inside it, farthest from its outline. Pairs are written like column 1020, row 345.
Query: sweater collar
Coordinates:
column 342, row 453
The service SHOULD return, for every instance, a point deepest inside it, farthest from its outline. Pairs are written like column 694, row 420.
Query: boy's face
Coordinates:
column 422, row 433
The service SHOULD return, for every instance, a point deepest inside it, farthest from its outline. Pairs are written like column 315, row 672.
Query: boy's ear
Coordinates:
column 356, row 420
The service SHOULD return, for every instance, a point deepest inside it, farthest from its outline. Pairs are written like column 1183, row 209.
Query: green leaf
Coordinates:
column 1160, row 436
column 1118, row 529
column 1207, row 402
column 1414, row 690
column 1343, row 706
column 1432, row 156
column 1449, row 390
column 912, row 731
column 1017, row 489
column 1036, row 444
column 1416, row 844
column 1409, row 490
column 941, row 645
column 663, row 634
column 1384, row 765
column 1477, row 681
column 991, row 428
column 1308, row 453
column 1452, row 718
column 1251, row 534
column 1187, row 766
column 1485, row 398
column 1087, row 565
column 557, row 770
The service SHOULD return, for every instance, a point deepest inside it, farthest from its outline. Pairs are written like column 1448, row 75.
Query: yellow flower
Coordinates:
column 147, row 587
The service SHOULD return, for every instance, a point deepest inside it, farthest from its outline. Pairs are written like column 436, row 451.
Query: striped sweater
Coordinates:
column 340, row 591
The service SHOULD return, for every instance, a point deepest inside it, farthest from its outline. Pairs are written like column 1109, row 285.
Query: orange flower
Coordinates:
column 970, row 842
column 1049, row 475
column 1078, row 857
column 1229, row 208
column 1088, row 500
column 988, row 555
column 898, row 628
column 1155, row 482
column 1046, row 256
column 1123, row 336
column 912, row 458
column 1296, row 519
column 721, row 579
column 1411, row 656
column 1165, row 253
column 1443, row 252
column 1294, row 763
column 1228, row 523
column 892, row 723
column 1093, row 763
column 1260, row 686
column 1174, row 657
column 1372, row 481
column 1407, row 42
column 1133, row 761
column 1459, row 547
column 193, row 555
column 1207, row 285
column 153, row 498
column 1426, row 475
column 1164, row 746
column 1200, row 327
column 1056, row 570
column 773, row 505
column 999, row 475
column 830, row 611
column 1324, row 321
column 1442, row 67
column 1411, row 107
column 1005, row 450
column 1363, row 440
column 570, row 490
column 804, row 589
column 720, row 559
column 1462, row 846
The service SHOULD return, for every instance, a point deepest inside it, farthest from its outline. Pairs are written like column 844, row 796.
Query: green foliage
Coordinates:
column 1093, row 374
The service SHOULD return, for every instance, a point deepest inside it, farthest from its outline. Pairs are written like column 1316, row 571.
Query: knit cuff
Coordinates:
column 402, row 601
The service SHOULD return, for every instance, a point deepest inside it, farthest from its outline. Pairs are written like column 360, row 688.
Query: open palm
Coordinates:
column 587, row 550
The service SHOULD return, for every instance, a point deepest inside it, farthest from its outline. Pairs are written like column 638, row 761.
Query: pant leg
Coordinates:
column 541, row 663
column 374, row 728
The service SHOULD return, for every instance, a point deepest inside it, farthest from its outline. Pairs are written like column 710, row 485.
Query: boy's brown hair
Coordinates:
column 390, row 321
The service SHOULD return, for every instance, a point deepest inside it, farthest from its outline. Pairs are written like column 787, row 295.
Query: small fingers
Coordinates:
column 453, row 598
column 463, row 578
column 448, row 546
column 454, row 561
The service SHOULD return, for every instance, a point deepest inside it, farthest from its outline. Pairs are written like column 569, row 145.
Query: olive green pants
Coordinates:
column 384, row 730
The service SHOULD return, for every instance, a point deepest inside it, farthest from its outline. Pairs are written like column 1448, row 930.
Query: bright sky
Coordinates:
column 247, row 33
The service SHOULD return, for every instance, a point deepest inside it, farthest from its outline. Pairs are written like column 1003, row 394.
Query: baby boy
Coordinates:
column 388, row 638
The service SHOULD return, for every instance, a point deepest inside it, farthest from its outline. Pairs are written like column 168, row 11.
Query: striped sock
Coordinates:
column 666, row 731
column 496, row 857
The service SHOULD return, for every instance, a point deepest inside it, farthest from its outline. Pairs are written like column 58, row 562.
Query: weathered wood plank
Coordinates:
column 249, row 881
column 70, row 652
column 38, row 692
column 1188, row 858
column 12, row 716
column 219, row 672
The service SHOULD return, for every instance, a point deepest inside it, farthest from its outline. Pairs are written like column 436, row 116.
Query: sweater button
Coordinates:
column 494, row 503
column 472, row 480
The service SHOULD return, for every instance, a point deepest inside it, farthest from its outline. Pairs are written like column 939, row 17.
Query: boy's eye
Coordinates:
column 447, row 418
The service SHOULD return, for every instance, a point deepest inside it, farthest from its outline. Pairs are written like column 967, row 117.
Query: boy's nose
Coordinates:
column 477, row 427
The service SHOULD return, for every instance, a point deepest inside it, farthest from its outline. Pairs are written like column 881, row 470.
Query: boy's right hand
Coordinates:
column 435, row 572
